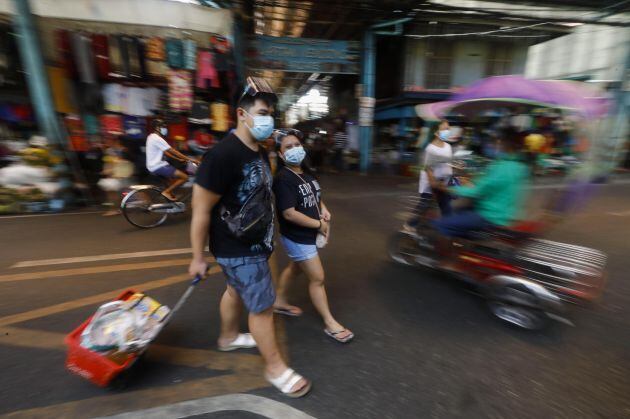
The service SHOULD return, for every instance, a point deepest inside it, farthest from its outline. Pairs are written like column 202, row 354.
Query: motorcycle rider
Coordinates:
column 497, row 196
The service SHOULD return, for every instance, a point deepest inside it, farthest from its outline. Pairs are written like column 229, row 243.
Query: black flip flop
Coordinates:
column 340, row 340
column 286, row 312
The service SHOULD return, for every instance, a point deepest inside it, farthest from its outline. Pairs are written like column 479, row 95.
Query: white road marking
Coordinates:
column 61, row 214
column 97, row 258
column 239, row 402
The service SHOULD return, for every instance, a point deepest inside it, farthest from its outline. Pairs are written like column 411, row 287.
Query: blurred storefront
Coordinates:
column 598, row 56
column 112, row 66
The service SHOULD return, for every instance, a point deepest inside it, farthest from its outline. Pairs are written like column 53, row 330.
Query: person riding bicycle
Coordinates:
column 498, row 195
column 156, row 149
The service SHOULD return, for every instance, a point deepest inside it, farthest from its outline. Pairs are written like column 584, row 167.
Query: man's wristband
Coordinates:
column 320, row 225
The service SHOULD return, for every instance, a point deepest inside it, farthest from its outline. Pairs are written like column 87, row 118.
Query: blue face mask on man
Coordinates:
column 263, row 126
column 294, row 156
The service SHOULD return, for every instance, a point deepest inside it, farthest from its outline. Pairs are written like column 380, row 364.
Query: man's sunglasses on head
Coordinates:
column 257, row 86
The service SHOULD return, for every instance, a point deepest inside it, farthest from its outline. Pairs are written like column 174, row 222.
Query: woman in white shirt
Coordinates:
column 437, row 157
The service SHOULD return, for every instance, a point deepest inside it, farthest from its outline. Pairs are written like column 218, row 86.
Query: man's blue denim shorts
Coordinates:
column 251, row 278
column 298, row 252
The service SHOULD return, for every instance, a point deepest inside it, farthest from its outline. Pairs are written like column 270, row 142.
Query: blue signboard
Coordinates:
column 302, row 55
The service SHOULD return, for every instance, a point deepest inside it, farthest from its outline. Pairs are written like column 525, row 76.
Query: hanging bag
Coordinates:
column 251, row 222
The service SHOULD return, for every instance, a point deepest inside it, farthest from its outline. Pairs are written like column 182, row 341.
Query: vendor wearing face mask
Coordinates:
column 302, row 215
column 437, row 158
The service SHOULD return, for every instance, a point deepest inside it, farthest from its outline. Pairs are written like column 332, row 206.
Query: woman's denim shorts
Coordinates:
column 298, row 252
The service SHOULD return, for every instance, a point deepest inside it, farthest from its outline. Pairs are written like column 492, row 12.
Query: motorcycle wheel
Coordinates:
column 409, row 249
column 517, row 306
column 136, row 207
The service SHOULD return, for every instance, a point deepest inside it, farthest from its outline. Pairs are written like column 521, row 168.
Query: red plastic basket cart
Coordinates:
column 94, row 366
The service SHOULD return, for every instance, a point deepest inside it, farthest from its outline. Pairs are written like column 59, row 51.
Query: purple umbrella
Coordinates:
column 511, row 91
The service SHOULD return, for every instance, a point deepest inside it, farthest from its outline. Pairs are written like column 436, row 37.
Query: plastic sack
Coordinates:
column 113, row 327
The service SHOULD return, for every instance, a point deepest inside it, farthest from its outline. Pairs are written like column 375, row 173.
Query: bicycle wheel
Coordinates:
column 136, row 207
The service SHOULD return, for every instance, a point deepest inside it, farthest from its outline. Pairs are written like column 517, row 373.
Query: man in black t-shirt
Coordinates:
column 232, row 204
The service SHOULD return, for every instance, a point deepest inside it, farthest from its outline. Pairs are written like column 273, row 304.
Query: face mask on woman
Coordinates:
column 163, row 131
column 444, row 134
column 295, row 155
column 263, row 126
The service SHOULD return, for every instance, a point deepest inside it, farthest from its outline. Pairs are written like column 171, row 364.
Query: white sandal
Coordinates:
column 242, row 341
column 287, row 380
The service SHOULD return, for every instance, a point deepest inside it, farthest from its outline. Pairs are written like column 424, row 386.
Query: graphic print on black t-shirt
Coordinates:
column 303, row 195
column 234, row 171
column 255, row 173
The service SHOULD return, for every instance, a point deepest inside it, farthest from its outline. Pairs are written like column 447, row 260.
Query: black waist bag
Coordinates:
column 251, row 223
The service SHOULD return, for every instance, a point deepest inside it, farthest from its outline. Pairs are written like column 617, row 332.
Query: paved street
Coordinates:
column 425, row 347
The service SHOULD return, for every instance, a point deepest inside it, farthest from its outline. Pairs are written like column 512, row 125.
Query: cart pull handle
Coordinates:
column 197, row 279
column 184, row 297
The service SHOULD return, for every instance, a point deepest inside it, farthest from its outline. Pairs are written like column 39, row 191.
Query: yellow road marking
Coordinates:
column 110, row 404
column 99, row 258
column 94, row 299
column 94, row 270
column 175, row 355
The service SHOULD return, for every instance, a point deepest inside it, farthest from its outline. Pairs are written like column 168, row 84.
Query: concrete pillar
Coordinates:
column 367, row 79
column 33, row 64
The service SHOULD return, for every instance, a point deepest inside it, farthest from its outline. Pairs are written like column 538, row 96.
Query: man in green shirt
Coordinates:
column 498, row 196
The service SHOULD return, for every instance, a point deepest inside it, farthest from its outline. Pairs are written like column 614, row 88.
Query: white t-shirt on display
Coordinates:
column 155, row 148
column 437, row 159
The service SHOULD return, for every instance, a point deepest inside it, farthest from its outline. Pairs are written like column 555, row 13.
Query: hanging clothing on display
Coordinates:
column 92, row 125
column 155, row 49
column 141, row 101
column 89, row 97
column 115, row 57
column 175, row 53
column 206, row 72
column 178, row 129
column 111, row 124
column 135, row 127
column 61, row 89
column 158, row 69
column 163, row 102
column 220, row 44
column 141, row 58
column 135, row 102
column 152, row 97
column 101, row 55
column 10, row 66
column 114, row 97
column 220, row 116
column 180, row 90
column 190, row 54
column 131, row 67
column 203, row 138
column 134, row 52
column 64, row 48
column 200, row 113
column 16, row 113
column 83, row 56
column 76, row 133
